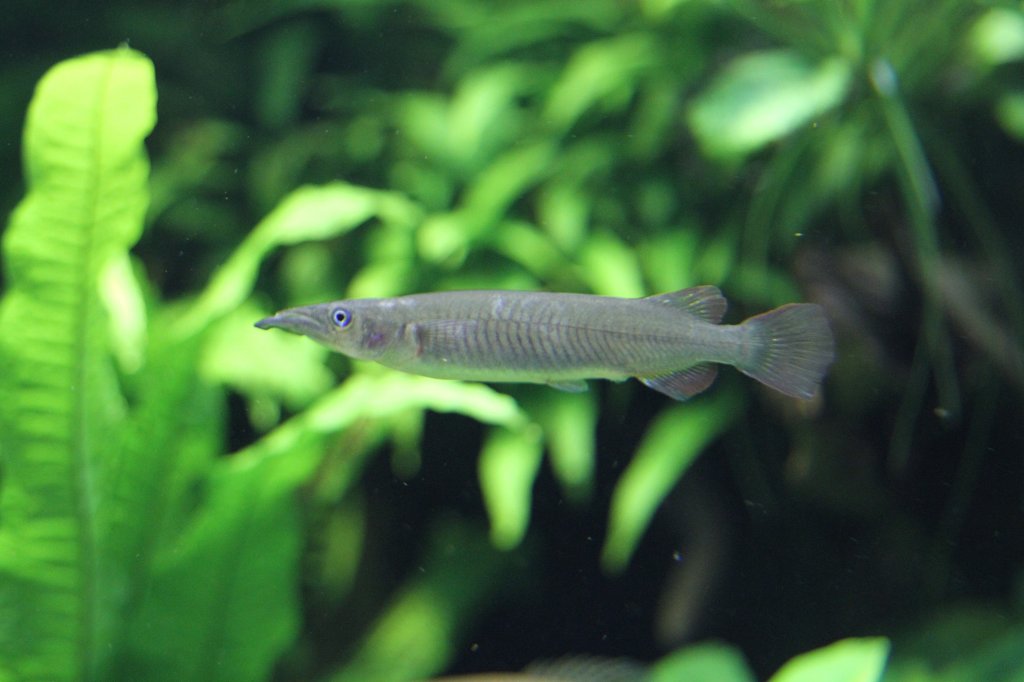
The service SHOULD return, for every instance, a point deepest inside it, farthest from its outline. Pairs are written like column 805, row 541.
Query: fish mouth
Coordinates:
column 295, row 320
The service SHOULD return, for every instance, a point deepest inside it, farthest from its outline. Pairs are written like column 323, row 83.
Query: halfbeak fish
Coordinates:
column 672, row 342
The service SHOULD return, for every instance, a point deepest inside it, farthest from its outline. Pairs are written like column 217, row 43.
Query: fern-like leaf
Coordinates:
column 61, row 409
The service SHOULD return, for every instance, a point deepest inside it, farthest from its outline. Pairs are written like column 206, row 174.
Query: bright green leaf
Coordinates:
column 61, row 411
column 126, row 312
column 569, row 420
column 610, row 267
column 602, row 72
column 417, row 634
column 849, row 660
column 307, row 214
column 762, row 97
column 708, row 662
column 508, row 466
column 282, row 366
column 1010, row 112
column 231, row 577
column 669, row 447
column 997, row 37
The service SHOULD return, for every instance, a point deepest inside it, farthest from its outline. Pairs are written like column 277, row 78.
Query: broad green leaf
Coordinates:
column 61, row 411
column 569, row 421
column 307, row 214
column 508, row 466
column 445, row 237
column 610, row 267
column 962, row 643
column 126, row 312
column 849, row 660
column 997, row 37
column 669, row 447
column 762, row 97
column 279, row 366
column 223, row 602
column 382, row 397
column 708, row 662
column 482, row 116
column 668, row 259
column 563, row 210
column 418, row 633
column 1010, row 112
column 604, row 72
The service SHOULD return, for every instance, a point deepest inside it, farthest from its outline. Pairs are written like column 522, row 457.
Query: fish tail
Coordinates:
column 792, row 349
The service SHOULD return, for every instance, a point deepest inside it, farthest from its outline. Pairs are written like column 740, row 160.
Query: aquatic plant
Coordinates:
column 182, row 497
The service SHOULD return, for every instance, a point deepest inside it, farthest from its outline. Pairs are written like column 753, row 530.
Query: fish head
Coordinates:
column 362, row 329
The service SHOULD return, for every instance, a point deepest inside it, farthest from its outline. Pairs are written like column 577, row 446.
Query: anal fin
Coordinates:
column 685, row 383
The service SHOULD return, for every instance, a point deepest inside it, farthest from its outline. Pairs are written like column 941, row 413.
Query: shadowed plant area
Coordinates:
column 186, row 497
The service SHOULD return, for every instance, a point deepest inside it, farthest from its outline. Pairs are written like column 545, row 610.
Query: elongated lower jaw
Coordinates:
column 293, row 321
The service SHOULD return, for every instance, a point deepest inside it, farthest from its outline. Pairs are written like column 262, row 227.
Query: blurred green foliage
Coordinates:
column 313, row 150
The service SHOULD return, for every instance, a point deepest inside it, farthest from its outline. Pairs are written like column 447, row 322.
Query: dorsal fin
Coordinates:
column 706, row 302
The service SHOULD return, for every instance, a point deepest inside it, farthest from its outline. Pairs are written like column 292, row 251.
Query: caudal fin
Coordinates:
column 793, row 349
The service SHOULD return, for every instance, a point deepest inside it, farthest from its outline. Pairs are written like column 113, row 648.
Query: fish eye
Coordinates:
column 341, row 317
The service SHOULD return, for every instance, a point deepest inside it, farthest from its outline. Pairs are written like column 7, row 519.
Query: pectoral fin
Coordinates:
column 577, row 386
column 685, row 383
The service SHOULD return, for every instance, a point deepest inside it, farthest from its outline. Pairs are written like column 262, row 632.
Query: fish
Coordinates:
column 671, row 342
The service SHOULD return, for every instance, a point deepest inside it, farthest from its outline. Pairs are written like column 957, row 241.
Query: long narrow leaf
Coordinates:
column 86, row 173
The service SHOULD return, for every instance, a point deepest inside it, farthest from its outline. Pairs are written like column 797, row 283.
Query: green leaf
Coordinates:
column 223, row 602
column 997, row 37
column 1010, row 112
column 569, row 421
column 86, row 172
column 849, row 660
column 604, row 72
column 284, row 366
column 669, row 447
column 708, row 662
column 382, row 397
column 762, row 97
column 307, row 214
column 509, row 463
column 610, row 267
column 417, row 635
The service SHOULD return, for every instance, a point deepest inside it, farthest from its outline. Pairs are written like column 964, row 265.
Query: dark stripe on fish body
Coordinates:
column 519, row 332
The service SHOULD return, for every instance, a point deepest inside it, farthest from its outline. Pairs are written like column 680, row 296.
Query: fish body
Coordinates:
column 671, row 342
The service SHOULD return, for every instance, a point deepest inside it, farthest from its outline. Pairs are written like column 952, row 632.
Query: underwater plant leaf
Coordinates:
column 382, row 398
column 969, row 641
column 307, row 214
column 706, row 662
column 569, row 421
column 669, row 447
column 848, row 660
column 223, row 601
column 445, row 237
column 997, row 37
column 508, row 466
column 231, row 573
column 418, row 634
column 610, row 267
column 761, row 97
column 604, row 72
column 284, row 366
column 61, row 411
